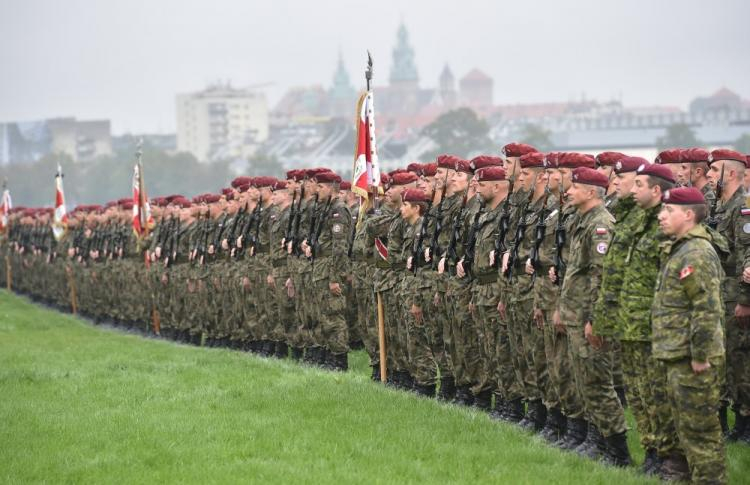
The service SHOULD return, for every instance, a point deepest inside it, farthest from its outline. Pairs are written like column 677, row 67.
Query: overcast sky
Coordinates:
column 125, row 60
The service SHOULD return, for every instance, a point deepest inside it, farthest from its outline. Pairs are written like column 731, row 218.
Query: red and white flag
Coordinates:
column 60, row 220
column 366, row 167
column 5, row 206
column 142, row 219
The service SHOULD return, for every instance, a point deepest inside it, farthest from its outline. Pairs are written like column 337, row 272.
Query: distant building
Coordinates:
column 27, row 142
column 476, row 90
column 221, row 122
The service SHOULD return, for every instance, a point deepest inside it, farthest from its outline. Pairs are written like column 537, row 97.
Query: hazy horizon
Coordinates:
column 126, row 61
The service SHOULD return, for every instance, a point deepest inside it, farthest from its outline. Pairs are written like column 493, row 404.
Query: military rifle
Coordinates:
column 471, row 243
column 435, row 241
column 541, row 229
column 560, row 238
column 416, row 252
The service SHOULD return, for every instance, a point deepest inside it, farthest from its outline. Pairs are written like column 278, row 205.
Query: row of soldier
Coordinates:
column 522, row 285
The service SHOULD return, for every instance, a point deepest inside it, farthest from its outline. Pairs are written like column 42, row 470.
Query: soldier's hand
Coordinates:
column 502, row 310
column 71, row 252
column 594, row 340
column 289, row 288
column 441, row 266
column 245, row 281
column 238, row 243
column 289, row 247
column 408, row 263
column 270, row 281
column 460, row 269
column 472, row 307
column 742, row 316
column 557, row 322
column 335, row 288
column 436, row 299
column 746, row 275
column 700, row 367
column 427, row 255
column 211, row 249
column 224, row 244
column 308, row 251
column 416, row 313
column 529, row 268
column 552, row 274
column 538, row 318
column 492, row 258
column 157, row 253
column 164, row 279
column 506, row 258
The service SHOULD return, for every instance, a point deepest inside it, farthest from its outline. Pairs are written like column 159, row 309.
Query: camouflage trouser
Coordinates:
column 421, row 361
column 366, row 311
column 694, row 402
column 618, row 378
column 487, row 324
column 301, row 278
column 738, row 364
column 464, row 347
column 646, row 392
column 593, row 376
column 519, row 312
column 552, row 392
column 282, row 331
column 391, row 312
column 333, row 330
column 441, row 337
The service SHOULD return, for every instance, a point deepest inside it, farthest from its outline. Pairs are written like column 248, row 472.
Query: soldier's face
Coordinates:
column 604, row 169
column 565, row 174
column 409, row 211
column 554, row 178
column 324, row 190
column 644, row 195
column 510, row 164
column 714, row 171
column 623, row 183
column 459, row 181
column 683, row 174
column 673, row 219
column 578, row 194
column 440, row 177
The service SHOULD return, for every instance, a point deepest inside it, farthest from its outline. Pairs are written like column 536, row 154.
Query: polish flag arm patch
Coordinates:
column 686, row 271
column 600, row 231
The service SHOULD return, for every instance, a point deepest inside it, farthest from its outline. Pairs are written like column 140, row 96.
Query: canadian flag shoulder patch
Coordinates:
column 686, row 271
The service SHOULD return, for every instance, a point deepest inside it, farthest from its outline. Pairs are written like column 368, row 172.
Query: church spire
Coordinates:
column 403, row 69
column 342, row 85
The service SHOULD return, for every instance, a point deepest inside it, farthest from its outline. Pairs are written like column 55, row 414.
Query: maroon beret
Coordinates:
column 483, row 161
column 517, row 149
column 550, row 159
column 414, row 167
column 173, row 196
column 211, row 198
column 242, row 180
column 123, row 200
column 312, row 172
column 228, row 193
column 345, row 185
column 279, row 185
column 589, row 176
column 683, row 196
column 403, row 178
column 127, row 205
column 609, row 159
column 726, row 154
column 532, row 160
column 673, row 155
column 491, row 174
column 629, row 164
column 327, row 178
column 695, row 155
column 575, row 160
column 264, row 181
column 296, row 175
column 112, row 203
column 429, row 169
column 463, row 166
column 398, row 170
column 656, row 170
column 414, row 195
column 385, row 180
column 447, row 161
column 244, row 188
column 182, row 202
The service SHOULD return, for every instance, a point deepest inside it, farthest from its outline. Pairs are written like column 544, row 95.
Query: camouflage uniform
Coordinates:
column 686, row 322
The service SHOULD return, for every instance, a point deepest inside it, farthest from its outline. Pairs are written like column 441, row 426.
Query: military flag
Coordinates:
column 366, row 171
column 5, row 206
column 142, row 219
column 60, row 220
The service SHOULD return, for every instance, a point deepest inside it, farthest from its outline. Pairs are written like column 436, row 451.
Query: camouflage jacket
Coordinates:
column 545, row 292
column 332, row 263
column 641, row 270
column 734, row 225
column 627, row 219
column 589, row 241
column 687, row 311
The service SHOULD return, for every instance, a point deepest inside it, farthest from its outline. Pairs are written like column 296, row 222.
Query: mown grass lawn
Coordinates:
column 85, row 404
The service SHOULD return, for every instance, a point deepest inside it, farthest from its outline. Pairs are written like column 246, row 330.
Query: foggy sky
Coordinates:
column 126, row 60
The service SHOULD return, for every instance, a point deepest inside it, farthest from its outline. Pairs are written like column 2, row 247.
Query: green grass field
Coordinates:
column 85, row 404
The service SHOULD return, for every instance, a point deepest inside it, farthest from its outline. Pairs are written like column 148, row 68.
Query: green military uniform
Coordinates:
column 686, row 325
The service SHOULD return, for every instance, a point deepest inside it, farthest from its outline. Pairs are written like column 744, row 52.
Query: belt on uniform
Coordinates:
column 487, row 278
column 278, row 263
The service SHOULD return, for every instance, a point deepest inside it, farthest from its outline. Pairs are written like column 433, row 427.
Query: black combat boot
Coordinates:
column 375, row 375
column 591, row 439
column 723, row 420
column 483, row 400
column 536, row 416
column 617, row 453
column 598, row 446
column 499, row 410
column 464, row 397
column 621, row 396
column 426, row 390
column 575, row 434
column 513, row 411
column 297, row 353
column 447, row 388
column 554, row 427
column 675, row 469
column 338, row 362
column 409, row 381
column 269, row 347
column 649, row 466
column 281, row 350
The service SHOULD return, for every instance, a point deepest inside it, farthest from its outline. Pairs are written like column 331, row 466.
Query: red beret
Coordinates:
column 211, row 198
column 124, row 200
column 182, row 202
column 609, row 159
column 589, row 176
column 398, row 170
column 683, row 196
column 517, row 149
column 550, row 159
column 629, row 164
column 414, row 167
column 414, row 195
column 279, row 185
column 244, row 188
column 447, row 161
column 695, row 155
column 127, row 205
column 575, row 160
column 385, row 180
column 483, row 161
column 463, row 166
column 228, row 193
column 327, row 178
column 429, row 169
column 726, row 154
column 312, row 172
column 345, row 185
column 198, row 199
column 656, row 170
column 532, row 160
column 403, row 178
column 264, row 181
column 112, row 203
column 490, row 174
column 673, row 155
column 240, row 181
column 296, row 175
column 174, row 196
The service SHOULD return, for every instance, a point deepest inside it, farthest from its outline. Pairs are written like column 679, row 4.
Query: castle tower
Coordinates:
column 447, row 88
